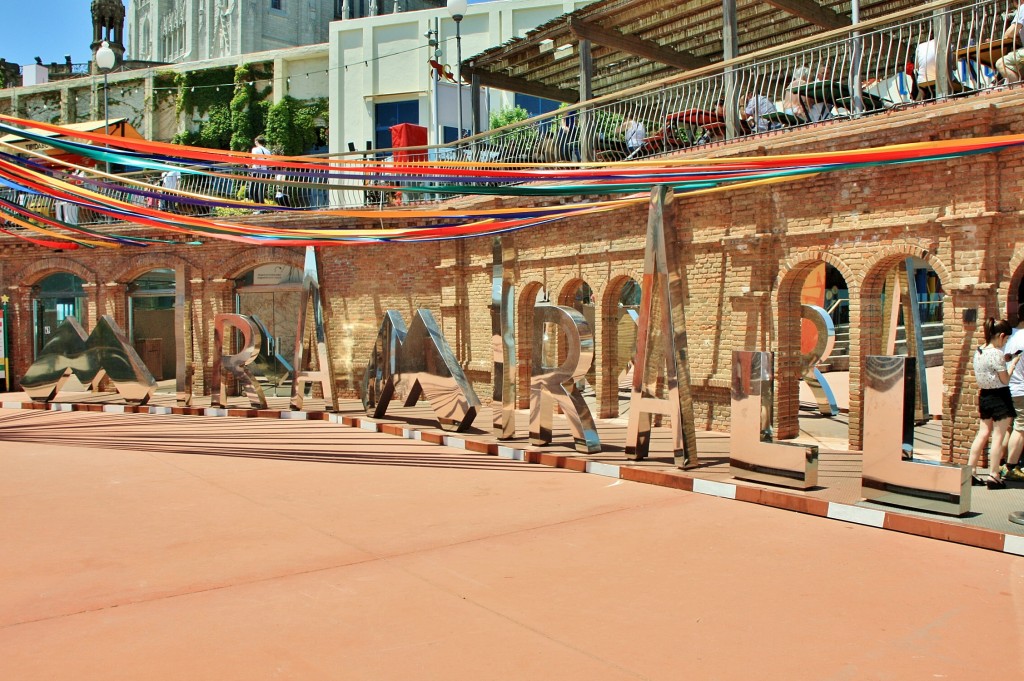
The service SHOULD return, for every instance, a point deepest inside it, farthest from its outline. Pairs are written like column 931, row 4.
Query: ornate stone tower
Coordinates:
column 108, row 24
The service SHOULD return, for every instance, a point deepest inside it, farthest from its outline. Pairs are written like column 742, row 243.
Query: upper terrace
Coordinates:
column 817, row 66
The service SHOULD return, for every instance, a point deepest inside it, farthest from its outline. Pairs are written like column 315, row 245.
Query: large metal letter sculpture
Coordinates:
column 662, row 280
column 236, row 364
column 503, row 340
column 816, row 380
column 890, row 474
column 752, row 454
column 324, row 375
column 414, row 362
column 89, row 357
column 558, row 384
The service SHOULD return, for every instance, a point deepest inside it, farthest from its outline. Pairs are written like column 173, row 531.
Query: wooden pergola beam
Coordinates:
column 642, row 48
column 812, row 12
column 521, row 85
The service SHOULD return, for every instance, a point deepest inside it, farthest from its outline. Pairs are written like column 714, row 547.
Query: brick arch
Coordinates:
column 40, row 269
column 875, row 272
column 787, row 332
column 613, row 359
column 571, row 285
column 882, row 262
column 243, row 262
column 155, row 261
column 524, row 339
column 795, row 268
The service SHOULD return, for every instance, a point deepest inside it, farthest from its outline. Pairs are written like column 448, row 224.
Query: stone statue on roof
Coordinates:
column 108, row 24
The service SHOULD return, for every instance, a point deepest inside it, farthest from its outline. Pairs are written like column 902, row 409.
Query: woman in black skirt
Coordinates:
column 995, row 405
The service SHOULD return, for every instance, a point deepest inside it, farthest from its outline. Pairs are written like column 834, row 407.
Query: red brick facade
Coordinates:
column 746, row 253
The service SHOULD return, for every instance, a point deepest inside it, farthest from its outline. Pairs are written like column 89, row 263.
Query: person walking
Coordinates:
column 258, row 189
column 1014, row 348
column 995, row 405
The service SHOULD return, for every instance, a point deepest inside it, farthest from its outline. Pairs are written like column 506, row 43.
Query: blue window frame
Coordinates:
column 386, row 114
column 535, row 105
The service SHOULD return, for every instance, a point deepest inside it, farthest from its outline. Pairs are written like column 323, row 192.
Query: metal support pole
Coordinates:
column 458, row 57
column 106, row 112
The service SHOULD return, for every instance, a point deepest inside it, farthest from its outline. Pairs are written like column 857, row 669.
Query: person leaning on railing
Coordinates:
column 633, row 132
column 1011, row 65
column 754, row 112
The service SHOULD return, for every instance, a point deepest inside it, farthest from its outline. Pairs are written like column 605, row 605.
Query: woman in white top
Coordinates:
column 995, row 405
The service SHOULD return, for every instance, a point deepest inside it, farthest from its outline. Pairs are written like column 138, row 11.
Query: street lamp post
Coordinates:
column 105, row 60
column 457, row 9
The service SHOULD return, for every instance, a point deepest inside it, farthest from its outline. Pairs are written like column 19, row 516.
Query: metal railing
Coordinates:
column 941, row 50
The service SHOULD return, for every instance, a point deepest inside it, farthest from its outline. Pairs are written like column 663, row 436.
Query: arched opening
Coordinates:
column 812, row 362
column 532, row 295
column 272, row 295
column 55, row 298
column 151, row 327
column 578, row 295
column 621, row 316
column 902, row 313
column 910, row 297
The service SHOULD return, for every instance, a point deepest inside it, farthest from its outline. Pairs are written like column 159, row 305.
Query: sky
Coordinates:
column 46, row 28
column 49, row 29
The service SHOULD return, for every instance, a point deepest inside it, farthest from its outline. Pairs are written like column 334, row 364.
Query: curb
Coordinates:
column 931, row 528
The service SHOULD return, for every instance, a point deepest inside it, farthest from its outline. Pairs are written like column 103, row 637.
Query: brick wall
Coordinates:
column 746, row 253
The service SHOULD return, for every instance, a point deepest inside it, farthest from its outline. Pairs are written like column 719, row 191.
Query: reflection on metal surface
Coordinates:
column 182, row 369
column 503, row 341
column 752, row 453
column 414, row 362
column 662, row 281
column 324, row 374
column 826, row 341
column 270, row 368
column 236, row 364
column 915, row 336
column 549, row 385
column 891, row 475
column 104, row 353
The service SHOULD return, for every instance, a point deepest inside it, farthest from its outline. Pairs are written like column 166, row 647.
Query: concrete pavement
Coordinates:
column 279, row 550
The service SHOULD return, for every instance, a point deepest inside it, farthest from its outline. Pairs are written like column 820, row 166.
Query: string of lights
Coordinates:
column 325, row 71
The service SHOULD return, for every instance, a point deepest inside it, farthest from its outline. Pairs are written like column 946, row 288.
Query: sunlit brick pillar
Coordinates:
column 113, row 301
column 219, row 296
column 962, row 338
column 20, row 334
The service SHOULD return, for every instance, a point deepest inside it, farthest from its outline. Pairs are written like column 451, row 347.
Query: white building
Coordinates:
column 191, row 30
column 379, row 73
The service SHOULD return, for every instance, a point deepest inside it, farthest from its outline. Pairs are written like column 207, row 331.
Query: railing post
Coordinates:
column 940, row 28
column 730, row 41
column 586, row 135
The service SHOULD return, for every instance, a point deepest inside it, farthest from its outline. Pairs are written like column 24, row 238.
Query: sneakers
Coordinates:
column 1015, row 474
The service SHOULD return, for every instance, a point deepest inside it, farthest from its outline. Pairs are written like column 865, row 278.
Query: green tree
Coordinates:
column 248, row 112
column 291, row 125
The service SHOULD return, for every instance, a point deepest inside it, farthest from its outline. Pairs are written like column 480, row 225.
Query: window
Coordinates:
column 57, row 297
column 535, row 105
column 275, row 4
column 387, row 114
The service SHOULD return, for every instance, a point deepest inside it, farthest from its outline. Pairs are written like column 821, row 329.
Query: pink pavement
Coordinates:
column 279, row 550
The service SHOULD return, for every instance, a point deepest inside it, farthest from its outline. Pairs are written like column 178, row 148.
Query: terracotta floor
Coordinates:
column 266, row 549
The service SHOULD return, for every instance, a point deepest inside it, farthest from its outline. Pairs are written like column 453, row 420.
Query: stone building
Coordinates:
column 191, row 30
